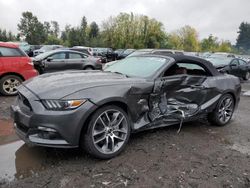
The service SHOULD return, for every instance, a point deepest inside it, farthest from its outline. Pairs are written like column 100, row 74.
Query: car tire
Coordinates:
column 89, row 68
column 108, row 132
column 9, row 84
column 247, row 76
column 223, row 111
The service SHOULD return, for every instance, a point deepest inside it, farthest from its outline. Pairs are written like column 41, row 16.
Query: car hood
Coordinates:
column 39, row 50
column 60, row 84
column 220, row 66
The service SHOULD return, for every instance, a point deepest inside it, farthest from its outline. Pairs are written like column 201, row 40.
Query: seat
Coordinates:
column 181, row 70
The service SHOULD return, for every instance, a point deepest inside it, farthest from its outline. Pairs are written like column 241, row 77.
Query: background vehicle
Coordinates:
column 221, row 55
column 125, row 53
column 119, row 52
column 46, row 48
column 155, row 51
column 30, row 53
column 108, row 53
column 59, row 60
column 23, row 46
column 15, row 67
column 83, row 49
column 90, row 51
column 98, row 110
column 149, row 51
column 234, row 66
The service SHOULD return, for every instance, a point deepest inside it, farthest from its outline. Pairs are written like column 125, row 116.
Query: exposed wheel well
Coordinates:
column 12, row 73
column 116, row 103
column 88, row 66
column 230, row 93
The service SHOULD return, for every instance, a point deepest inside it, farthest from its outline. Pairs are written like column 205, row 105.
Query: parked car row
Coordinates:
column 58, row 58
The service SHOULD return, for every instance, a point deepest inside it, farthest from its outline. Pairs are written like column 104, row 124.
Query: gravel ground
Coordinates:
column 201, row 155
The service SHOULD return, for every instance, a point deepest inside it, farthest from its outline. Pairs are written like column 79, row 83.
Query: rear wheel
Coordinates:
column 247, row 76
column 223, row 112
column 108, row 132
column 9, row 84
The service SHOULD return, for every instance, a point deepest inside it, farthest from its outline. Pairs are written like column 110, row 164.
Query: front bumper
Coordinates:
column 38, row 126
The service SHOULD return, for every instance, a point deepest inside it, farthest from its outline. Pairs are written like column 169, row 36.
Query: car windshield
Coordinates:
column 219, row 61
column 142, row 67
column 44, row 55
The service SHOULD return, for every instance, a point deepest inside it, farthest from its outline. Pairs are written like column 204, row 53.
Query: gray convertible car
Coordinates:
column 98, row 110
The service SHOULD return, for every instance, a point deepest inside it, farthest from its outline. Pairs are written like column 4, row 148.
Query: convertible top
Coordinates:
column 186, row 58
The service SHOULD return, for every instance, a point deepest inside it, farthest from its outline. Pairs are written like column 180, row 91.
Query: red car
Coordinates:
column 15, row 67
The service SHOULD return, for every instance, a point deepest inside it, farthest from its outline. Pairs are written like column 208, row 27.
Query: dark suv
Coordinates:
column 108, row 53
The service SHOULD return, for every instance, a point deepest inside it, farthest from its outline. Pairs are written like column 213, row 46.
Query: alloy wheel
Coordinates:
column 110, row 131
column 226, row 109
column 10, row 85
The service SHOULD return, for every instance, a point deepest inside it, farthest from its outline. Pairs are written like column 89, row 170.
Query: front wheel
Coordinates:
column 108, row 132
column 223, row 112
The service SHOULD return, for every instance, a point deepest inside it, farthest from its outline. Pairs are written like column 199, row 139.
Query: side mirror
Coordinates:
column 233, row 65
column 49, row 59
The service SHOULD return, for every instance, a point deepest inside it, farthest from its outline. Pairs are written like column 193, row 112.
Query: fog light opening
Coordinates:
column 48, row 133
column 47, row 129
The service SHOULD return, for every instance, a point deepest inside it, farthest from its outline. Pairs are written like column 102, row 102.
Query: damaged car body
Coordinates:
column 98, row 110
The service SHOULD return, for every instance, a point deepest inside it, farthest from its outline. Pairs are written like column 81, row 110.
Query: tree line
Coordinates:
column 123, row 31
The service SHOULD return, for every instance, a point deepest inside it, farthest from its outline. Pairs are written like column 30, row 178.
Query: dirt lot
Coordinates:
column 201, row 155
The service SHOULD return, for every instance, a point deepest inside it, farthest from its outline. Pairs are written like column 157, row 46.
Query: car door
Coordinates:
column 75, row 61
column 182, row 93
column 243, row 68
column 54, row 62
column 234, row 68
column 11, row 59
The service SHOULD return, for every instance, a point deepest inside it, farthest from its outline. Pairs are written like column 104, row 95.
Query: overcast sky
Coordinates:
column 218, row 17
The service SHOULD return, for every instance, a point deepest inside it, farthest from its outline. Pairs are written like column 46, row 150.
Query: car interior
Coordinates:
column 189, row 68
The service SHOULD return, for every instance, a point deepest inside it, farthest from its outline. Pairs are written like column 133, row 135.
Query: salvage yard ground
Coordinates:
column 201, row 155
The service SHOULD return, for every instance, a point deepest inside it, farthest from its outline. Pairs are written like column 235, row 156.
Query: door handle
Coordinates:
column 197, row 86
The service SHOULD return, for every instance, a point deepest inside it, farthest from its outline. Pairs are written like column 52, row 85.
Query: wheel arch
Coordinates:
column 123, row 105
column 88, row 65
column 12, row 73
column 232, row 94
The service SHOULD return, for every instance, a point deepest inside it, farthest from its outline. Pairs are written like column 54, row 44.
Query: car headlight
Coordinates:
column 58, row 105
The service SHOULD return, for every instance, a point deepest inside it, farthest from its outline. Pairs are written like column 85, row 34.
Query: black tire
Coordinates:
column 89, row 68
column 215, row 117
column 247, row 76
column 87, row 139
column 13, row 81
